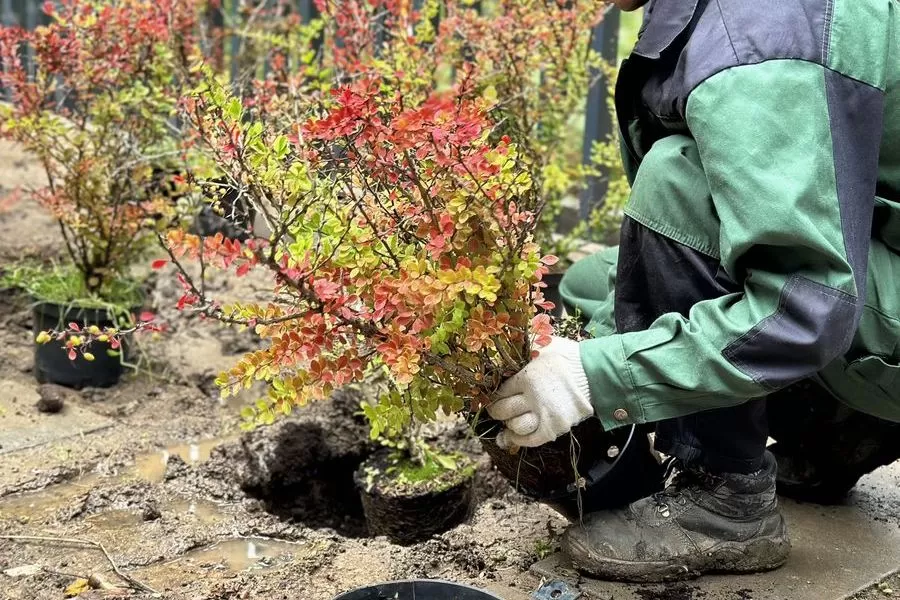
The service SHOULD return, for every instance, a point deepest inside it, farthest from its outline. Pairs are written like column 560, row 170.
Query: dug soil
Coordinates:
column 158, row 472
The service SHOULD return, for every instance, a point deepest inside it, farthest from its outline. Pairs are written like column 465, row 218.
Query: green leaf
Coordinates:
column 280, row 146
column 446, row 461
column 233, row 109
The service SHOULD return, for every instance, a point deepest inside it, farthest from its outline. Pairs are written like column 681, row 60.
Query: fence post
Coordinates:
column 598, row 123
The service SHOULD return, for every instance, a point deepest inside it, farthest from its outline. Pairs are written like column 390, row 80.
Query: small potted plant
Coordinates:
column 95, row 112
column 409, row 490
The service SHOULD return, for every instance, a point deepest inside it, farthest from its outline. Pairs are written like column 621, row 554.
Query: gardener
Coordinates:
column 760, row 248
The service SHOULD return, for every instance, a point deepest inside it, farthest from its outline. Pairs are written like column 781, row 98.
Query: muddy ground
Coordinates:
column 157, row 471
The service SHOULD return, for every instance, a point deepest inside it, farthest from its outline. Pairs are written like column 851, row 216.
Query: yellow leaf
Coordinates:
column 79, row 586
column 490, row 94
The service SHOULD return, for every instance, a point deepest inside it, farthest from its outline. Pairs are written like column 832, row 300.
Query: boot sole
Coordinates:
column 761, row 554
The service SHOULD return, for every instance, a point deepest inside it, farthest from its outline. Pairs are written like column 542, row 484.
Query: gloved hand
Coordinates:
column 545, row 399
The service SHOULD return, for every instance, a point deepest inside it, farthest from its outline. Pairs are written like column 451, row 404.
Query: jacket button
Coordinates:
column 620, row 414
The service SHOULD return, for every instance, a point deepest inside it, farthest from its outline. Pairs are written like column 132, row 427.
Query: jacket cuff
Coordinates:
column 613, row 394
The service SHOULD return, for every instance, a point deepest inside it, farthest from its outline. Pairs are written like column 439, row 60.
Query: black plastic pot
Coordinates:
column 421, row 589
column 551, row 293
column 51, row 360
column 613, row 468
column 409, row 517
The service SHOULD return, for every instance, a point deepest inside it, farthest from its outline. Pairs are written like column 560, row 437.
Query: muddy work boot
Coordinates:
column 701, row 523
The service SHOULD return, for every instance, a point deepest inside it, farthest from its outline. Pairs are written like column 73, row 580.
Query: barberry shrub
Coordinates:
column 95, row 110
column 401, row 243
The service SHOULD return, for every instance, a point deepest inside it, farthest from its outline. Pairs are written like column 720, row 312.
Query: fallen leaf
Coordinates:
column 79, row 586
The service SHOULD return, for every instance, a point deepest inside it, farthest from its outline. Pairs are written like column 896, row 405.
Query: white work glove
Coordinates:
column 545, row 399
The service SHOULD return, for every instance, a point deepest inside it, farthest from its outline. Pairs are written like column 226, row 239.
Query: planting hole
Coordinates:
column 304, row 473
column 555, row 594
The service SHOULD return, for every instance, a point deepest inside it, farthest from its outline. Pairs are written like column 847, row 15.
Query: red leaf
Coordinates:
column 159, row 264
column 72, row 354
column 74, row 327
column 146, row 316
column 243, row 269
column 550, row 260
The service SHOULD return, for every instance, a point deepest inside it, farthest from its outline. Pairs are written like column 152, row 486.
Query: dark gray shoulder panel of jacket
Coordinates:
column 727, row 33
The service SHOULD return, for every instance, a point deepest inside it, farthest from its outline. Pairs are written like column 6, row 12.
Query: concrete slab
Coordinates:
column 22, row 426
column 837, row 550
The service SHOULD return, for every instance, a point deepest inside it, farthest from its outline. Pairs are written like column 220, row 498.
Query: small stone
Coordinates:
column 52, row 398
column 175, row 467
column 150, row 511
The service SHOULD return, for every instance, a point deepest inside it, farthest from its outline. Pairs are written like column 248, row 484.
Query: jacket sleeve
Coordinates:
column 790, row 152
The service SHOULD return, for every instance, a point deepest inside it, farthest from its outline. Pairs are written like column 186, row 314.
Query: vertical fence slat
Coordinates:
column 7, row 18
column 306, row 8
column 7, row 15
column 235, row 46
column 598, row 123
column 31, row 14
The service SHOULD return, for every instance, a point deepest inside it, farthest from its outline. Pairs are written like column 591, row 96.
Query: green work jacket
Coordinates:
column 794, row 106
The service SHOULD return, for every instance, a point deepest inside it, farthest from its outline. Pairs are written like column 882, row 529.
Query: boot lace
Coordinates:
column 681, row 482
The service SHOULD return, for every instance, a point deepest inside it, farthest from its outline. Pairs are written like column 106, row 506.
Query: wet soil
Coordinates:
column 157, row 470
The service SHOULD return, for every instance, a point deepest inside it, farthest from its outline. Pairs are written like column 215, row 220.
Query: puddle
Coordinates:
column 42, row 504
column 115, row 519
column 205, row 512
column 201, row 511
column 152, row 467
column 241, row 554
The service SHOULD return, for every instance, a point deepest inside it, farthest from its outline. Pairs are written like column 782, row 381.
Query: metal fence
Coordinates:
column 598, row 123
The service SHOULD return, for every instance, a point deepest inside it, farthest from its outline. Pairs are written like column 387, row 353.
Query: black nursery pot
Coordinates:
column 421, row 589
column 614, row 467
column 51, row 360
column 404, row 516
